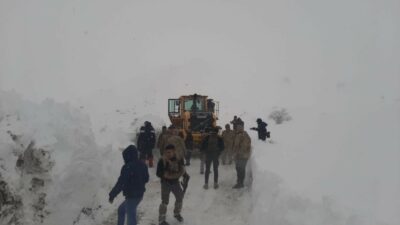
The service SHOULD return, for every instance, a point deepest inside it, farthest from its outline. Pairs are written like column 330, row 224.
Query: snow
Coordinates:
column 353, row 171
column 70, row 166
column 301, row 176
column 332, row 65
column 221, row 206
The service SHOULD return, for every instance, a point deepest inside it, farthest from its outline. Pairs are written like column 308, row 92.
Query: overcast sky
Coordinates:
column 248, row 54
column 289, row 51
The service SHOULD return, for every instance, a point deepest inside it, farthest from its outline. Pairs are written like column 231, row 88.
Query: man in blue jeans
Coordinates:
column 132, row 181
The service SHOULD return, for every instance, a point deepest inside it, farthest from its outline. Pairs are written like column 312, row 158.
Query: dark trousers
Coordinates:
column 262, row 136
column 215, row 162
column 188, row 156
column 128, row 209
column 177, row 191
column 146, row 154
column 241, row 170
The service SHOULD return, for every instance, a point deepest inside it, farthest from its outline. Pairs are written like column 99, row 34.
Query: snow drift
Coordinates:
column 51, row 169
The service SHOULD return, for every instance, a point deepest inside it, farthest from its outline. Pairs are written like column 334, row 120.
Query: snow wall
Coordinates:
column 54, row 171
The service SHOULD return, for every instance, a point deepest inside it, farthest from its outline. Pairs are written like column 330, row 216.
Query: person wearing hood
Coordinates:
column 131, row 182
column 261, row 128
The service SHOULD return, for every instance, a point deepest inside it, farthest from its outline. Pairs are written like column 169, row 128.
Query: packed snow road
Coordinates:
column 222, row 206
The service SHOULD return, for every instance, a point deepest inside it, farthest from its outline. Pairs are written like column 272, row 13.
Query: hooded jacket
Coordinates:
column 134, row 176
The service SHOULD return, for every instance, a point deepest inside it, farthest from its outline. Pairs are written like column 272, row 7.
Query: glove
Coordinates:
column 111, row 200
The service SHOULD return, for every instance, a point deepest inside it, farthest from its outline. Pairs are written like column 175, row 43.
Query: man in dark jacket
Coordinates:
column 189, row 147
column 261, row 129
column 132, row 181
column 146, row 142
column 170, row 169
column 212, row 146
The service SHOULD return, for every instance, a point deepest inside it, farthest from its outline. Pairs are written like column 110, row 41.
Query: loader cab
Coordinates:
column 193, row 105
column 174, row 107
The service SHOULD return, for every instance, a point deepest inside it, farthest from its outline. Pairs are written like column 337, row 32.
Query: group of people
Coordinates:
column 232, row 145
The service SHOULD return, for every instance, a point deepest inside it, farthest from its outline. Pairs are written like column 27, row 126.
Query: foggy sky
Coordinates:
column 124, row 53
column 291, row 52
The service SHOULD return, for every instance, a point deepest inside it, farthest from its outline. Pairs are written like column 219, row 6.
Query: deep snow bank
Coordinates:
column 51, row 170
column 330, row 166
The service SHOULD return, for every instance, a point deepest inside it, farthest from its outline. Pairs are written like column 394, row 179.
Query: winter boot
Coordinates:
column 179, row 217
column 205, row 186
column 238, row 186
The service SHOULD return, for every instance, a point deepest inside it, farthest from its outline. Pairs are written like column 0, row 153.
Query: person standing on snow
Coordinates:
column 261, row 128
column 132, row 181
column 163, row 141
column 189, row 147
column 242, row 152
column 228, row 136
column 212, row 146
column 146, row 142
column 160, row 137
column 170, row 169
column 204, row 135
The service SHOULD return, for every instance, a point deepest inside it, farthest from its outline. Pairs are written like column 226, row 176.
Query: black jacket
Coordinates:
column 212, row 145
column 189, row 141
column 146, row 139
column 262, row 127
column 133, row 178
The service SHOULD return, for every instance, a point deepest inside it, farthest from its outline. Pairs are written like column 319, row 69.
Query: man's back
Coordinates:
column 228, row 137
column 242, row 145
column 136, row 178
column 212, row 145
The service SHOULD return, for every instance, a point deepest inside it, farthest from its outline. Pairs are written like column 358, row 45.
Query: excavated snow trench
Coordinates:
column 222, row 206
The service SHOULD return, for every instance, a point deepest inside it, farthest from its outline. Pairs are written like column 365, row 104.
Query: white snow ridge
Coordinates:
column 50, row 166
column 53, row 172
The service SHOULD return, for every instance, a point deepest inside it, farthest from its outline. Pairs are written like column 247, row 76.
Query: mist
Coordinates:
column 286, row 51
column 315, row 58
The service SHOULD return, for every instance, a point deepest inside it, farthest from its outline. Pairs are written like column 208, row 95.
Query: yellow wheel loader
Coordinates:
column 195, row 113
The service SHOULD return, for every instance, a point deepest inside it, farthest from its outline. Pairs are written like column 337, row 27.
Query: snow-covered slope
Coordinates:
column 349, row 158
column 334, row 65
column 322, row 167
column 51, row 169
